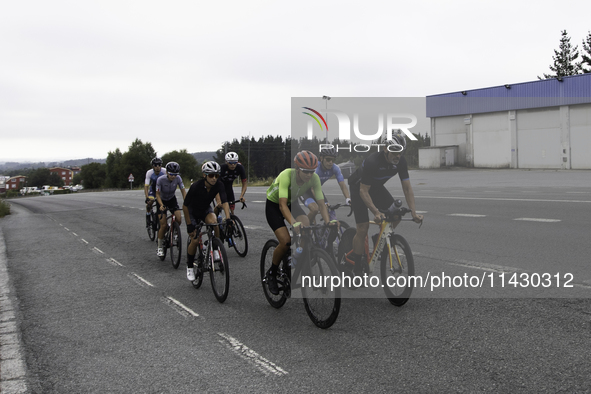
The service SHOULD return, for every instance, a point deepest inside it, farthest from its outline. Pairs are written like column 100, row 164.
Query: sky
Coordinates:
column 81, row 78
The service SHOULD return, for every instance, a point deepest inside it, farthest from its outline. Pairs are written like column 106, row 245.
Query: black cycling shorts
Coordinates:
column 171, row 205
column 275, row 217
column 200, row 215
column 380, row 196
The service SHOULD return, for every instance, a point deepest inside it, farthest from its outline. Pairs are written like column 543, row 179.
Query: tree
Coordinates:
column 113, row 169
column 586, row 55
column 93, row 175
column 188, row 163
column 39, row 177
column 136, row 161
column 565, row 59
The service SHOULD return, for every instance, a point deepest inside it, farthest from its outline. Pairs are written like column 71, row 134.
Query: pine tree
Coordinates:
column 565, row 59
column 586, row 55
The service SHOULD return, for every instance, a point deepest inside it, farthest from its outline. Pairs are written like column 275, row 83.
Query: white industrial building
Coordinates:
column 539, row 124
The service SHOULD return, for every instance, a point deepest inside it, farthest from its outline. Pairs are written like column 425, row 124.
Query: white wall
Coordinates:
column 491, row 140
column 580, row 136
column 539, row 138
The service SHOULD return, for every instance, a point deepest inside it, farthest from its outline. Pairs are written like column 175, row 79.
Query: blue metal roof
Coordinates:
column 574, row 89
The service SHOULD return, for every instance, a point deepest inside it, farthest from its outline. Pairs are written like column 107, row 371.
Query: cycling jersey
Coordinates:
column 325, row 175
column 167, row 188
column 151, row 179
column 285, row 186
column 227, row 176
column 198, row 198
column 376, row 171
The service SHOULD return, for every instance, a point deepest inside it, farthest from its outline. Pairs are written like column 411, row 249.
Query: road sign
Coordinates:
column 130, row 178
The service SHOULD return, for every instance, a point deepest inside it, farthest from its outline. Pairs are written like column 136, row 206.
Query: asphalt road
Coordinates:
column 97, row 311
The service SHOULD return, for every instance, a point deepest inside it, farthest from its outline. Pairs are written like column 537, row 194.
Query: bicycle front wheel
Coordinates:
column 239, row 237
column 219, row 270
column 150, row 227
column 276, row 301
column 321, row 300
column 396, row 269
column 176, row 245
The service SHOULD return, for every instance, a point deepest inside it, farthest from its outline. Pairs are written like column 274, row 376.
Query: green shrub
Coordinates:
column 11, row 193
column 4, row 208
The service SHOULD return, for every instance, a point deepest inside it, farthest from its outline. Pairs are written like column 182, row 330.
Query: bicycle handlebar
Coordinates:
column 237, row 201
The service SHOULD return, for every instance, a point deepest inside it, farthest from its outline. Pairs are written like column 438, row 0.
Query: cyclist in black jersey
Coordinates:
column 231, row 170
column 368, row 192
column 197, row 206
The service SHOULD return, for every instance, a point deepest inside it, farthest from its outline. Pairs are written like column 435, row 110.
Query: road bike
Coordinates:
column 329, row 238
column 212, row 257
column 393, row 252
column 321, row 301
column 235, row 234
column 172, row 240
column 152, row 223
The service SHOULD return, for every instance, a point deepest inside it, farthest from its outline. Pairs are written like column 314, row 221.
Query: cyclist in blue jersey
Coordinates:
column 326, row 169
column 368, row 192
column 165, row 196
column 152, row 176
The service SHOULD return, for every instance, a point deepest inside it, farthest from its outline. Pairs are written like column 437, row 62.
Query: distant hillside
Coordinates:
column 203, row 156
column 199, row 156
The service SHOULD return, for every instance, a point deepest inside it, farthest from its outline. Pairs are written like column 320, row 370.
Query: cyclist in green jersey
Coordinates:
column 282, row 204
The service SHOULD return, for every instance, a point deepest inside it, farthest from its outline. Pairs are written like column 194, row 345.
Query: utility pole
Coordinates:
column 326, row 114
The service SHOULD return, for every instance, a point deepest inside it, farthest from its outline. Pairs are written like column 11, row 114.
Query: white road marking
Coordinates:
column 98, row 250
column 74, row 234
column 183, row 309
column 253, row 227
column 114, row 262
column 83, row 240
column 67, row 229
column 538, row 220
column 142, row 279
column 468, row 215
column 265, row 366
column 503, row 199
column 422, row 211
column 258, row 201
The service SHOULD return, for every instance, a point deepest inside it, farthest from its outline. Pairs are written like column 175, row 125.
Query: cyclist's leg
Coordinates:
column 311, row 204
column 230, row 197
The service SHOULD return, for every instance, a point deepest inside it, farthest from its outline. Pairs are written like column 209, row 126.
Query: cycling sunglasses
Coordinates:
column 232, row 162
column 213, row 175
column 331, row 159
column 307, row 171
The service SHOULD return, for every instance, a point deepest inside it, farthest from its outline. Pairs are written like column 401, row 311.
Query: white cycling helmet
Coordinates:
column 231, row 156
column 397, row 143
column 211, row 167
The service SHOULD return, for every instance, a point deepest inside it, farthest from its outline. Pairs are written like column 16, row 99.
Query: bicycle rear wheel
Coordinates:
column 239, row 240
column 219, row 271
column 283, row 274
column 176, row 245
column 322, row 302
column 396, row 268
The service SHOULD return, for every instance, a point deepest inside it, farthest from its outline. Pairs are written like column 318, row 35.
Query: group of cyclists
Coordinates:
column 303, row 183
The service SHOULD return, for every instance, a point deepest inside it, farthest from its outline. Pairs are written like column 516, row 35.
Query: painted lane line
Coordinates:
column 253, row 227
column 258, row 201
column 538, row 220
column 422, row 212
column 142, row 279
column 83, row 240
column 98, row 250
column 184, row 309
column 67, row 229
column 468, row 215
column 74, row 234
column 114, row 262
column 503, row 199
column 265, row 366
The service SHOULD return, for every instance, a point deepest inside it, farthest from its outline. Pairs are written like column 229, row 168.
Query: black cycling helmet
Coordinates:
column 328, row 152
column 156, row 162
column 173, row 168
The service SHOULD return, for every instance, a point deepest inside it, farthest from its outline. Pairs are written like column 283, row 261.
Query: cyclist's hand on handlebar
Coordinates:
column 379, row 218
column 347, row 201
column 297, row 226
column 417, row 218
column 242, row 200
column 147, row 200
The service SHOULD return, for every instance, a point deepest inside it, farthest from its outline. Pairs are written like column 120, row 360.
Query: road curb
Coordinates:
column 12, row 363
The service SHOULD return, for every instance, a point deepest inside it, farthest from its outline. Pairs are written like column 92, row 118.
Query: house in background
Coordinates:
column 16, row 182
column 65, row 174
